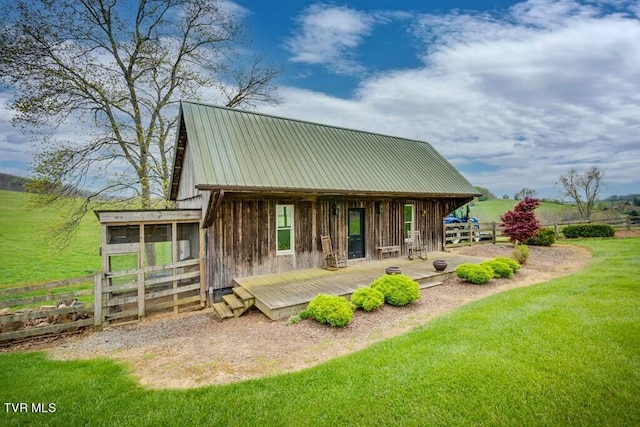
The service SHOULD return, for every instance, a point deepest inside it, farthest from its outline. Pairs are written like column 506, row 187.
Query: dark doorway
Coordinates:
column 356, row 233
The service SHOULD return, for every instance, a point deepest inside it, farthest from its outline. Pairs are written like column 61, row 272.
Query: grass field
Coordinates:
column 29, row 256
column 565, row 352
column 547, row 213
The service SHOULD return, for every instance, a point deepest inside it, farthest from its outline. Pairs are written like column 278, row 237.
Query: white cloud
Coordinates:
column 513, row 100
column 328, row 35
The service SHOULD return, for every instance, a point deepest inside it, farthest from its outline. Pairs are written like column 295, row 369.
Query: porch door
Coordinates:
column 356, row 233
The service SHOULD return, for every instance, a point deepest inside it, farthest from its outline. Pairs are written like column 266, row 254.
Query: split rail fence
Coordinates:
column 98, row 300
column 46, row 308
column 466, row 234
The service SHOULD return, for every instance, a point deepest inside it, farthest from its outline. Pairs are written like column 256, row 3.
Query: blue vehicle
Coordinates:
column 457, row 223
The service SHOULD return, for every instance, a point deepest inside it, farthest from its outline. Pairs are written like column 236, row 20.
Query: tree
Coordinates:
column 122, row 66
column 525, row 192
column 486, row 194
column 521, row 223
column 583, row 189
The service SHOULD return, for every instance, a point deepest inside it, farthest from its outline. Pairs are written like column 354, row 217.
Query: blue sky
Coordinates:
column 514, row 94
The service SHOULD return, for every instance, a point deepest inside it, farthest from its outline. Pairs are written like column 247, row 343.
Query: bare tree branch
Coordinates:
column 583, row 189
column 121, row 67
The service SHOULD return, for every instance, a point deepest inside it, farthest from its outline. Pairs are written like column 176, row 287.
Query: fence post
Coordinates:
column 495, row 232
column 141, row 301
column 628, row 221
column 470, row 232
column 97, row 302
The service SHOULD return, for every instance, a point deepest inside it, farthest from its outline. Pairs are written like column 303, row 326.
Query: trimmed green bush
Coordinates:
column 367, row 298
column 545, row 237
column 475, row 273
column 521, row 254
column 515, row 266
column 330, row 309
column 588, row 230
column 398, row 289
column 500, row 268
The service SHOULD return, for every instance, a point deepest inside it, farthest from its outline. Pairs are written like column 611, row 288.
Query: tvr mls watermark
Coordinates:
column 39, row 407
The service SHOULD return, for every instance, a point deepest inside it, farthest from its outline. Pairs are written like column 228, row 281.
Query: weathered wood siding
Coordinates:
column 242, row 240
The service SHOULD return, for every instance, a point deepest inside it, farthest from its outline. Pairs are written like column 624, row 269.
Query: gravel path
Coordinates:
column 195, row 349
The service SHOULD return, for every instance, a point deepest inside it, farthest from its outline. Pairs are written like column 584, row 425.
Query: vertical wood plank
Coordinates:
column 97, row 301
column 141, row 262
column 174, row 259
column 203, row 272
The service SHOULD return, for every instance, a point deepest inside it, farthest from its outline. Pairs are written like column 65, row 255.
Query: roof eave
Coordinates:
column 332, row 192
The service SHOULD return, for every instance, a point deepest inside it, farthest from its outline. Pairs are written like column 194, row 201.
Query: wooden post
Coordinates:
column 203, row 275
column 97, row 302
column 470, row 233
column 141, row 302
column 141, row 263
column 628, row 222
column 444, row 236
column 174, row 259
column 495, row 232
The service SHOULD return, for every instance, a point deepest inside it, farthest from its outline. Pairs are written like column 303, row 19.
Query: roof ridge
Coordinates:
column 326, row 125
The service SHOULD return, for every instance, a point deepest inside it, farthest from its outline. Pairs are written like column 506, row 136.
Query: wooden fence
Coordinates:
column 466, row 234
column 106, row 298
column 22, row 314
column 130, row 295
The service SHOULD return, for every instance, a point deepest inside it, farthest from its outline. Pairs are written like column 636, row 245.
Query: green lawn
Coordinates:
column 547, row 213
column 28, row 255
column 566, row 352
column 491, row 210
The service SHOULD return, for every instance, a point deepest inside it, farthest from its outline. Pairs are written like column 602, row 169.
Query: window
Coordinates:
column 408, row 220
column 284, row 229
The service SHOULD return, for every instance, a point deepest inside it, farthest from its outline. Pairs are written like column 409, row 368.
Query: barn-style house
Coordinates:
column 269, row 188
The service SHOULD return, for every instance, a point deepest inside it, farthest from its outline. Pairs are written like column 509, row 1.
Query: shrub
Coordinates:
column 330, row 309
column 475, row 273
column 545, row 237
column 521, row 254
column 515, row 266
column 500, row 268
column 367, row 298
column 397, row 289
column 588, row 230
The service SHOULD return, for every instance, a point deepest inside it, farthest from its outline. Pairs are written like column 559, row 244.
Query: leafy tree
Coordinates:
column 486, row 194
column 122, row 66
column 583, row 189
column 521, row 223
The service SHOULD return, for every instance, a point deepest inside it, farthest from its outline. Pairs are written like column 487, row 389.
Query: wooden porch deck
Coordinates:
column 282, row 295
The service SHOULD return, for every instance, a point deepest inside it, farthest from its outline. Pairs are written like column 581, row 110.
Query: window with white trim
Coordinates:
column 284, row 229
column 409, row 218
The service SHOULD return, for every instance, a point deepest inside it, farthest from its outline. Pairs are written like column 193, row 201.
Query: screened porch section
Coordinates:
column 151, row 261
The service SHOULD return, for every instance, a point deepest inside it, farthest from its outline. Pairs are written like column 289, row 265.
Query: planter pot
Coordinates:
column 440, row 264
column 393, row 270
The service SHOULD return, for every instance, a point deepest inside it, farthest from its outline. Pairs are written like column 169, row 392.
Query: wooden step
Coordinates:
column 242, row 293
column 222, row 310
column 233, row 302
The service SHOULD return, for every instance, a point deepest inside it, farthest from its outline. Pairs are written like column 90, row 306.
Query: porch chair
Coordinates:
column 415, row 246
column 332, row 259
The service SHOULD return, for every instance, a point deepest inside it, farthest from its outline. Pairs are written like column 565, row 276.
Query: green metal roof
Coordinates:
column 236, row 150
